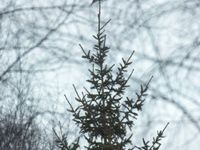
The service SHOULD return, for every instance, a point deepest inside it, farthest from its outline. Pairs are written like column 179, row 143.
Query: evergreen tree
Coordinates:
column 104, row 115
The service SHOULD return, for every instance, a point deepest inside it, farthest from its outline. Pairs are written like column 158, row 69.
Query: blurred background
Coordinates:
column 40, row 60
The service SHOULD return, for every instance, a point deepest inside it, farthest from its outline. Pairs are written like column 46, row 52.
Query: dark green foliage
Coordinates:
column 61, row 141
column 156, row 142
column 104, row 114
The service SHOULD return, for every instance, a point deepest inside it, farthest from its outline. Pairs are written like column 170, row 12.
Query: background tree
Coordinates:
column 19, row 130
column 24, row 116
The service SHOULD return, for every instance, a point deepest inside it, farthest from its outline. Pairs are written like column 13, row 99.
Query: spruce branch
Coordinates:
column 72, row 109
column 155, row 143
column 105, row 24
column 61, row 142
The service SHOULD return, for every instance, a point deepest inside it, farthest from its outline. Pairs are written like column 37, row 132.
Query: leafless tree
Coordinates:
column 25, row 28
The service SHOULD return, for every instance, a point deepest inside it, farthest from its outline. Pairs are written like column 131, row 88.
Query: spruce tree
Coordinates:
column 104, row 114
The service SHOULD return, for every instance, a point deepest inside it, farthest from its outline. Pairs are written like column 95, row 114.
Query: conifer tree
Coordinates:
column 104, row 114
